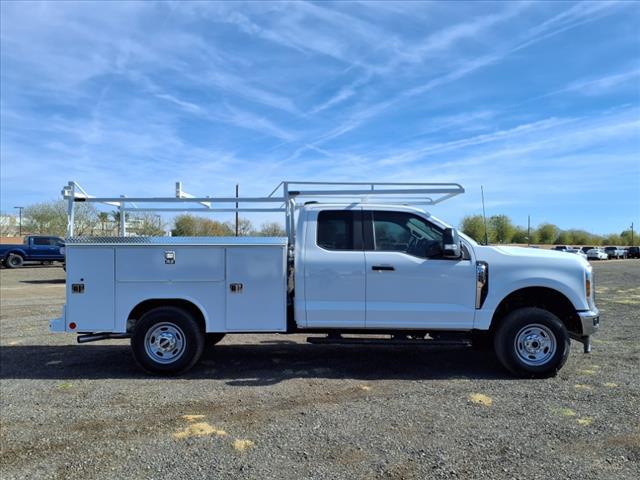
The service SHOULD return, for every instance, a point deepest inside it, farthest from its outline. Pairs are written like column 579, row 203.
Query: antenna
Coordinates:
column 484, row 217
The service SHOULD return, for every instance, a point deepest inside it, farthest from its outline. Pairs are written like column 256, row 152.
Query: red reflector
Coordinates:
column 72, row 325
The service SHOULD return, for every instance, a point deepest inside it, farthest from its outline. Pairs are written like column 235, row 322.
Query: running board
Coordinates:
column 462, row 342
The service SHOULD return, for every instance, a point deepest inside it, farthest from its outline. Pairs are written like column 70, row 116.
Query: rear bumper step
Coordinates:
column 94, row 337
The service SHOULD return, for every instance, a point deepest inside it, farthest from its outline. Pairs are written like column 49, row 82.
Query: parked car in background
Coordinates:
column 577, row 251
column 615, row 252
column 35, row 248
column 633, row 252
column 597, row 254
column 586, row 249
column 561, row 248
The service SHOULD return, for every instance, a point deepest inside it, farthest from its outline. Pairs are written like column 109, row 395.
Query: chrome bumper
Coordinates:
column 590, row 320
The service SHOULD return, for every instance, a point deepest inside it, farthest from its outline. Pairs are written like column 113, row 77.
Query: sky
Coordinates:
column 539, row 102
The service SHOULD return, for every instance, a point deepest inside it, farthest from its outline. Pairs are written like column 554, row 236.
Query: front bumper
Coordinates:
column 590, row 320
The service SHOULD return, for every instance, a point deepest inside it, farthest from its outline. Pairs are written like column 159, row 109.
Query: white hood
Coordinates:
column 525, row 254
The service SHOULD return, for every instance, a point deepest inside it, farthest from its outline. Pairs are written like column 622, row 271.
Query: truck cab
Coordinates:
column 380, row 267
column 357, row 268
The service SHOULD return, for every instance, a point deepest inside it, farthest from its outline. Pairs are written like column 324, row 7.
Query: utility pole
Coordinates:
column 528, row 230
column 632, row 239
column 237, row 190
column 20, row 221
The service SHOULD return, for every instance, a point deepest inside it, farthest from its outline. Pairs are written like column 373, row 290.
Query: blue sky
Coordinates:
column 537, row 101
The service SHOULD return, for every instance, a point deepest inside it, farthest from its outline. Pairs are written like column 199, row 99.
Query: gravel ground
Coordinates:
column 269, row 406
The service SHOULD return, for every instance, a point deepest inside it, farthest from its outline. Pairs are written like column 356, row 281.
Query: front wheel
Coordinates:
column 532, row 342
column 167, row 341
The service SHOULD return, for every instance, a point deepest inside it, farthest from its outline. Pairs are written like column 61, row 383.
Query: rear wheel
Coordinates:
column 167, row 340
column 14, row 261
column 532, row 342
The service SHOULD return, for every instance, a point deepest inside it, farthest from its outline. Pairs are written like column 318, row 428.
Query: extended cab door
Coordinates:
column 409, row 283
column 334, row 269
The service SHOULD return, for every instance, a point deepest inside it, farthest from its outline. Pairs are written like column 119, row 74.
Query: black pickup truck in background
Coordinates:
column 36, row 248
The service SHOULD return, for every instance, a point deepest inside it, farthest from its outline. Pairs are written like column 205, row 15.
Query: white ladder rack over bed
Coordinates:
column 285, row 198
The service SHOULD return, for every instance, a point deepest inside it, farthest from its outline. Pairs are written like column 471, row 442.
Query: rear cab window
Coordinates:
column 42, row 241
column 339, row 230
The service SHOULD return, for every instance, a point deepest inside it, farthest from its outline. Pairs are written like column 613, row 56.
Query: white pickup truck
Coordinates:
column 357, row 268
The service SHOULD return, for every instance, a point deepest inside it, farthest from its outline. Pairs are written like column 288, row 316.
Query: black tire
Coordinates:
column 180, row 330
column 547, row 336
column 14, row 261
column 212, row 339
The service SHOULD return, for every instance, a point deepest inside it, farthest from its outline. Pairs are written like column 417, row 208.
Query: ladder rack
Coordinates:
column 286, row 198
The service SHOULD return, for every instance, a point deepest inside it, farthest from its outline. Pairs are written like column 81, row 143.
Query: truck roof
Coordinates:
column 365, row 206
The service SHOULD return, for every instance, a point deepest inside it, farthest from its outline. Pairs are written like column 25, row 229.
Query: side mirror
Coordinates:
column 451, row 244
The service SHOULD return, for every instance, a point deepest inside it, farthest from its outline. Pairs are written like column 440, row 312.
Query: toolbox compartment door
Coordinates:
column 90, row 288
column 256, row 289
column 170, row 263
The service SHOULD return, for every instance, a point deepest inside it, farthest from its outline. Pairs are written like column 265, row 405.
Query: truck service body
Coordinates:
column 345, row 267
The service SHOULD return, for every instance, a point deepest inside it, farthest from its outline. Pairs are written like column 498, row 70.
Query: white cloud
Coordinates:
column 188, row 106
column 605, row 84
column 251, row 121
column 342, row 95
column 239, row 87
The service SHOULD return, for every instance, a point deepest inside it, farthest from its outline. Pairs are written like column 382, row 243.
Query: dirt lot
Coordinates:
column 276, row 407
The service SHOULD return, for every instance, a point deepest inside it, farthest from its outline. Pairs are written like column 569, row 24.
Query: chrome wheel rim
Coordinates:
column 535, row 344
column 164, row 343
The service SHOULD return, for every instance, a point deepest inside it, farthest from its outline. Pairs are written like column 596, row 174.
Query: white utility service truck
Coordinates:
column 359, row 259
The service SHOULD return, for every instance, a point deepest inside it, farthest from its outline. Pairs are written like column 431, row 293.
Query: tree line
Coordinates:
column 500, row 229
column 193, row 226
column 50, row 218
